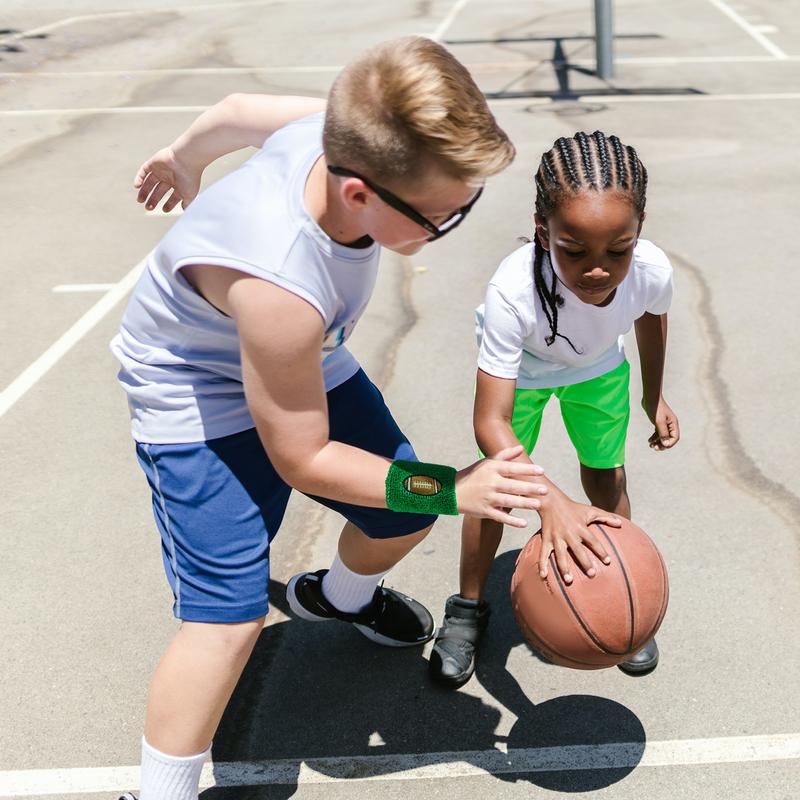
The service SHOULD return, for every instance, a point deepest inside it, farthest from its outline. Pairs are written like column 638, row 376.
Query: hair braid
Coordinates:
column 602, row 157
column 565, row 149
column 619, row 162
column 586, row 157
column 636, row 175
column 549, row 168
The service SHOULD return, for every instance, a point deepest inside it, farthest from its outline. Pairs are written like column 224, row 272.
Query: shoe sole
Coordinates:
column 298, row 609
column 379, row 638
column 644, row 669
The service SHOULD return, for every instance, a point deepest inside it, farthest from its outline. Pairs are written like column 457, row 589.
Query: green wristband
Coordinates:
column 421, row 488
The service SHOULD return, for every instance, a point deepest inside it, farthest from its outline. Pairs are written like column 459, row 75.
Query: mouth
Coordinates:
column 593, row 289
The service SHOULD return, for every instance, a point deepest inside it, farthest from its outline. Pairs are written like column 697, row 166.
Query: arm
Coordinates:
column 651, row 341
column 240, row 120
column 565, row 523
column 286, row 395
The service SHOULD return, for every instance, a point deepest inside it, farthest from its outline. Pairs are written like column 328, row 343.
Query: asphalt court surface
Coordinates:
column 708, row 93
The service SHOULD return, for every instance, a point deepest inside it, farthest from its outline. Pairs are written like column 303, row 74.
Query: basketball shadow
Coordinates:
column 570, row 721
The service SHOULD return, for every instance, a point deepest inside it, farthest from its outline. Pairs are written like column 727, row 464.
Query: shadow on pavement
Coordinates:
column 322, row 691
column 563, row 68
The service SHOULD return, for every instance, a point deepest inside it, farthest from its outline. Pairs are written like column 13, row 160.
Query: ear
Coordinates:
column 355, row 194
column 642, row 217
column 542, row 231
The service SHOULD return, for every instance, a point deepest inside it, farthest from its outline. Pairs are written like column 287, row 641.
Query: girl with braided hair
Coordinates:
column 552, row 324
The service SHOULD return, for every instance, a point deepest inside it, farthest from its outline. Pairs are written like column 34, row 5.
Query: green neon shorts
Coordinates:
column 595, row 414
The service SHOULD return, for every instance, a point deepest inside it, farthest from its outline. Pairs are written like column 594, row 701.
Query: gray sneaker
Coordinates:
column 646, row 660
column 453, row 656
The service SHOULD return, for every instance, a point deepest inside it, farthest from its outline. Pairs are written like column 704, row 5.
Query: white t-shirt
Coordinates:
column 511, row 325
column 179, row 356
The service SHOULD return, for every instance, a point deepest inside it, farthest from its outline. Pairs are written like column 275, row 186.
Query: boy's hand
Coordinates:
column 565, row 529
column 163, row 172
column 490, row 486
column 667, row 432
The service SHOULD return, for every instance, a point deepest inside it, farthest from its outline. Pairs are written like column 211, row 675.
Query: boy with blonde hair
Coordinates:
column 240, row 386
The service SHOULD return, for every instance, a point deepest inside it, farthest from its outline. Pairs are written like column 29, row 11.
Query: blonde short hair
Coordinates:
column 405, row 104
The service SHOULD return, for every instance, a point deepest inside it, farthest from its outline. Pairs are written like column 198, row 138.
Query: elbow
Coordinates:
column 295, row 469
column 233, row 102
column 291, row 471
column 488, row 432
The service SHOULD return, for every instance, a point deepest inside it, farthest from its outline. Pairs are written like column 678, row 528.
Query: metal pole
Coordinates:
column 604, row 38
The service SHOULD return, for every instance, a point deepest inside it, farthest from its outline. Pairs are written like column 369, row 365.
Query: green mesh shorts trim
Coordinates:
column 595, row 414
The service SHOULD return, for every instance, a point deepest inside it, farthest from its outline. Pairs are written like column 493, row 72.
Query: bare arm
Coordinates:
column 565, row 523
column 651, row 341
column 286, row 396
column 240, row 120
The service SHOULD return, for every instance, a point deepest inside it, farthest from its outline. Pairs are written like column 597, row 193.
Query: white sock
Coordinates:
column 170, row 777
column 347, row 590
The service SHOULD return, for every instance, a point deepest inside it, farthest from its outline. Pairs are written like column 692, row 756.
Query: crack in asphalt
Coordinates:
column 737, row 467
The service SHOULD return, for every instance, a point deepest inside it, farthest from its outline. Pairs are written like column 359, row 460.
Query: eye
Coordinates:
column 575, row 253
column 617, row 253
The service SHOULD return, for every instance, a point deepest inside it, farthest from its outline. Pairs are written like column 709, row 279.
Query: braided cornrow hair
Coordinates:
column 584, row 162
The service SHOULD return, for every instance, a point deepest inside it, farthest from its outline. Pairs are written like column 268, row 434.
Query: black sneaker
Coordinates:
column 645, row 661
column 127, row 796
column 452, row 659
column 391, row 619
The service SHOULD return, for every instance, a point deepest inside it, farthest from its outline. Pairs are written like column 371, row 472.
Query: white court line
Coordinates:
column 107, row 15
column 421, row 766
column 37, row 112
column 83, row 287
column 648, row 98
column 29, row 377
column 771, row 47
column 639, row 61
column 105, row 73
column 442, row 27
column 528, row 101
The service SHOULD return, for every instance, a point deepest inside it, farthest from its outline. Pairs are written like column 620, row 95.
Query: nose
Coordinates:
column 598, row 271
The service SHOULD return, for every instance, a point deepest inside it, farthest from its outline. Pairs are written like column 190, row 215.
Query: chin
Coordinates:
column 591, row 298
column 407, row 249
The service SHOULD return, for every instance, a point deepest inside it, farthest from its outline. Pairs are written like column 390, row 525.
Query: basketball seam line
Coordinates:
column 578, row 617
column 627, row 582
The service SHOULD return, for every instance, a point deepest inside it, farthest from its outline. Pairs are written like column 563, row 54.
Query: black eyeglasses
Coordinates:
column 436, row 232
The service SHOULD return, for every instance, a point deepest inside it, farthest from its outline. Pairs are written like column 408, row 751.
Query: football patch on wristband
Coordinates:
column 419, row 488
column 422, row 484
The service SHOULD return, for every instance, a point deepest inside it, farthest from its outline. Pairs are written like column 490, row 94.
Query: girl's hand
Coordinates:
column 490, row 486
column 667, row 432
column 565, row 529
column 163, row 172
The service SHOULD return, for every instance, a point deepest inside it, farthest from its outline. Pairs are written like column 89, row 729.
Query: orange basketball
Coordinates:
column 593, row 622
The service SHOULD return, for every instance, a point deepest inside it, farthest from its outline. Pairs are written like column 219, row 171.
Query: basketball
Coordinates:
column 593, row 622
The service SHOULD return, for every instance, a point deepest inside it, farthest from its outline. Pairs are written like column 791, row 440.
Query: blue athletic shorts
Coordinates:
column 218, row 504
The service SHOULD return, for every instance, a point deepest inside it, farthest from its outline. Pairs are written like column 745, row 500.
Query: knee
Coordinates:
column 235, row 639
column 604, row 484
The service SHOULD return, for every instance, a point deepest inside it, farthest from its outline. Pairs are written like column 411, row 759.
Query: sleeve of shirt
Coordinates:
column 500, row 334
column 661, row 297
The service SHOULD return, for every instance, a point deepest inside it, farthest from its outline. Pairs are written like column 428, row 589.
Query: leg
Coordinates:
column 480, row 539
column 596, row 414
column 466, row 615
column 193, row 683
column 607, row 489
column 372, row 541
column 349, row 590
column 207, row 496
column 367, row 556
